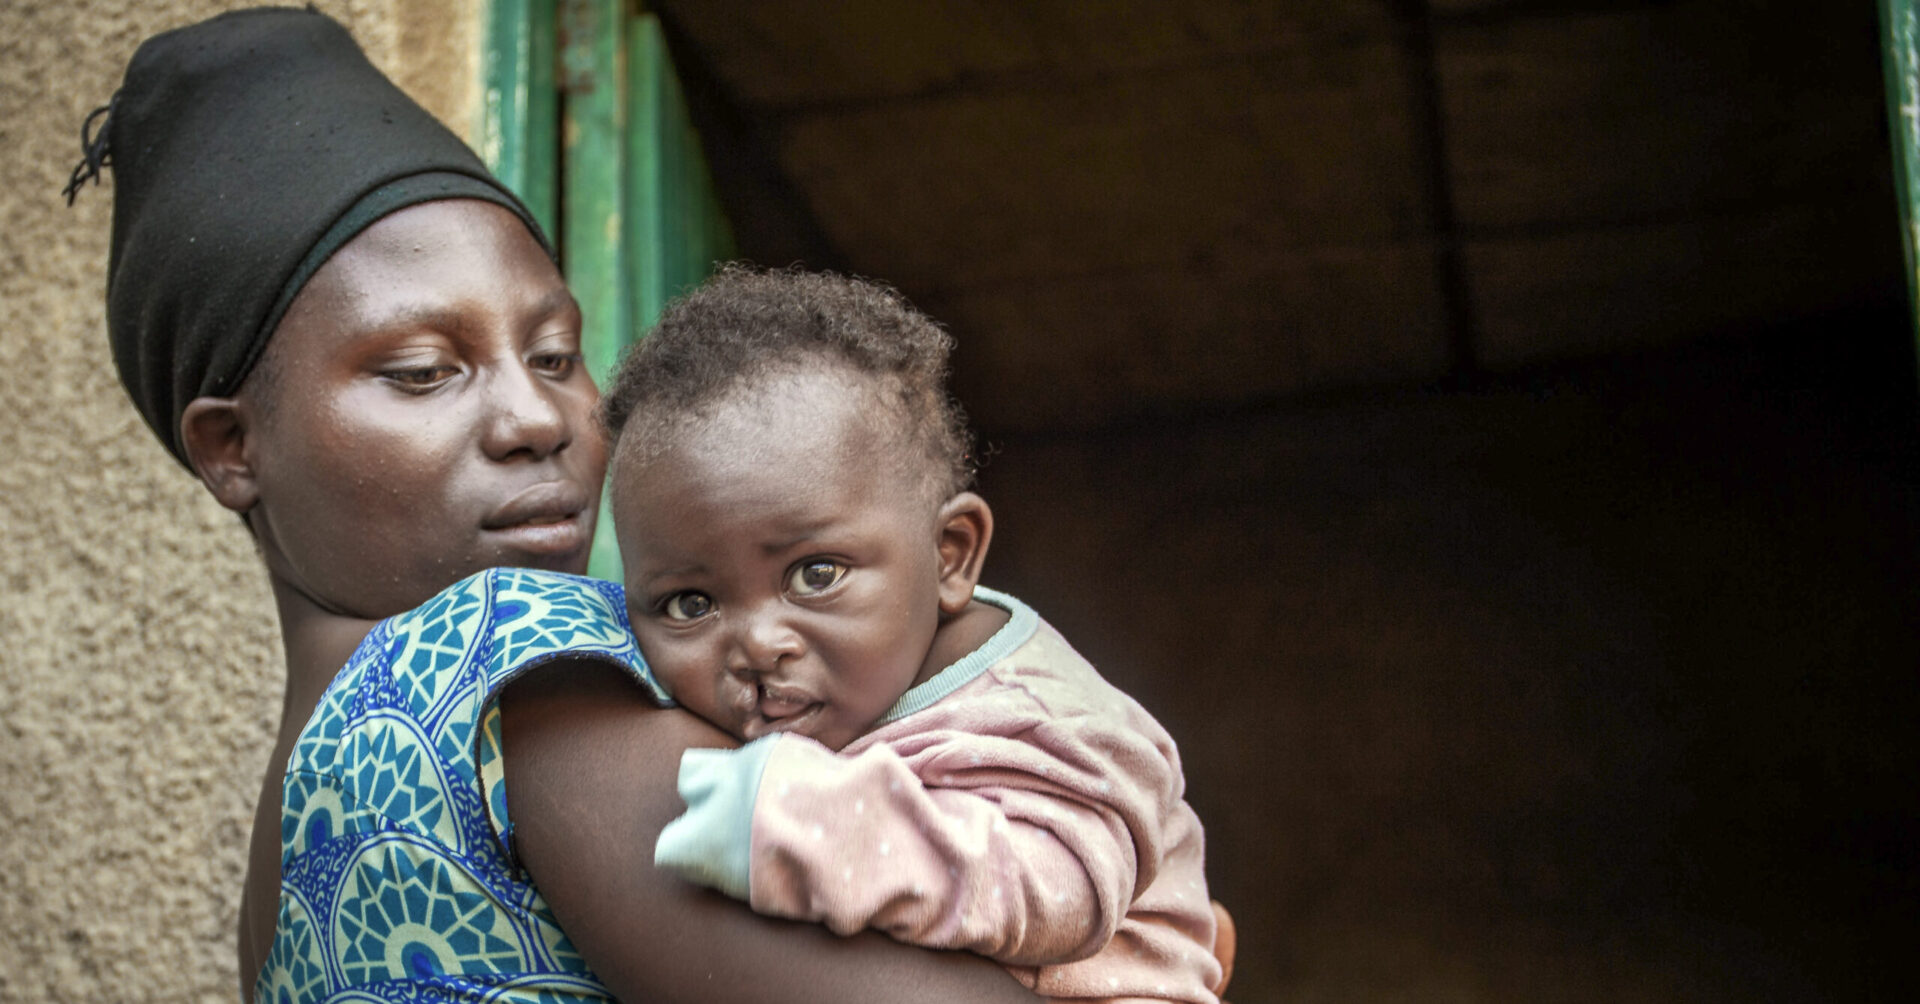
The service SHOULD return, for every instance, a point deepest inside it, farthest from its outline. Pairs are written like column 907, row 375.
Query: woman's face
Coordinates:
column 422, row 413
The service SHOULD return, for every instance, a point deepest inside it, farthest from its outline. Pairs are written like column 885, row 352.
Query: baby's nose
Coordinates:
column 765, row 644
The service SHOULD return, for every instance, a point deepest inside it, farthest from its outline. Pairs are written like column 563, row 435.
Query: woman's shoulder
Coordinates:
column 431, row 672
column 492, row 626
column 397, row 862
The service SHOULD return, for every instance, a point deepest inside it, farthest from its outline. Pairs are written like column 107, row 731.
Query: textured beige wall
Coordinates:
column 139, row 658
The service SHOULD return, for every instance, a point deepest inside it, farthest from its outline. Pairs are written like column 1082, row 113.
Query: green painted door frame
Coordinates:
column 1900, row 45
column 518, row 110
column 584, row 118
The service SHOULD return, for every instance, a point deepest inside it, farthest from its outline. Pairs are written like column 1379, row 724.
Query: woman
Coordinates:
column 358, row 341
column 329, row 312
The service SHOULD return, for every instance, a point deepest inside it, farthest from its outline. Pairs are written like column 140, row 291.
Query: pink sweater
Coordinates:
column 1016, row 805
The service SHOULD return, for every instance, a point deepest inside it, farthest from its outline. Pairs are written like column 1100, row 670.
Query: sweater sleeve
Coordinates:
column 1019, row 874
column 710, row 843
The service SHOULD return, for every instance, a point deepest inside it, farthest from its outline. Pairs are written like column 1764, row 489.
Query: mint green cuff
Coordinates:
column 712, row 842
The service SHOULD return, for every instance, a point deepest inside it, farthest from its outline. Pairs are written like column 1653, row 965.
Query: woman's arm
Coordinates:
column 591, row 768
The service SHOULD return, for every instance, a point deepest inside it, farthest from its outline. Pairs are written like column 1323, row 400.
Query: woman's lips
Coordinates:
column 548, row 518
column 561, row 536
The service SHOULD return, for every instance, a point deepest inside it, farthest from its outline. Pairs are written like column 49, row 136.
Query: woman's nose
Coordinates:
column 528, row 415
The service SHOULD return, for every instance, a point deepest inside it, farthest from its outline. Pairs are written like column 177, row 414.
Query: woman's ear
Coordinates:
column 213, row 431
column 965, row 529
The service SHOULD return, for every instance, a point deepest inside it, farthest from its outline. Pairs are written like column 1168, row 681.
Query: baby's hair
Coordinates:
column 745, row 323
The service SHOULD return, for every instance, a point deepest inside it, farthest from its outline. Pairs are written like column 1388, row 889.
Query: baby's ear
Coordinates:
column 213, row 432
column 965, row 529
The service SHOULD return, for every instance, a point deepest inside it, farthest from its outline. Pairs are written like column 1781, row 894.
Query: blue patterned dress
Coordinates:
column 398, row 877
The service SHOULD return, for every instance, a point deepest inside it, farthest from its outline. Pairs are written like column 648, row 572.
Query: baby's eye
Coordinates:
column 687, row 606
column 810, row 577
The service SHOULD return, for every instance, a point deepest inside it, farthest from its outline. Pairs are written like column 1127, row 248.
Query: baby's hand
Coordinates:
column 711, row 843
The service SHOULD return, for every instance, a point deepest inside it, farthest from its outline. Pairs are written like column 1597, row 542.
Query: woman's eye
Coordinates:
column 811, row 577
column 419, row 377
column 557, row 364
column 687, row 606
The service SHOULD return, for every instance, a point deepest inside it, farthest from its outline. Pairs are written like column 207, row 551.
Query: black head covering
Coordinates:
column 246, row 150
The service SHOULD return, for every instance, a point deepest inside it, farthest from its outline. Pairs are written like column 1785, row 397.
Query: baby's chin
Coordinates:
column 810, row 721
column 816, row 722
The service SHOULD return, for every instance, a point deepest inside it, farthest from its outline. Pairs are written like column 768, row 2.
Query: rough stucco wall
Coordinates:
column 138, row 648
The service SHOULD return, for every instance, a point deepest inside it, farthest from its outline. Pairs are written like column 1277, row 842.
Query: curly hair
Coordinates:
column 745, row 323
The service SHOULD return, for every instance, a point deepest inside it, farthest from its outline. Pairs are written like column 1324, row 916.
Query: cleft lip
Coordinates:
column 776, row 708
column 777, row 702
column 549, row 502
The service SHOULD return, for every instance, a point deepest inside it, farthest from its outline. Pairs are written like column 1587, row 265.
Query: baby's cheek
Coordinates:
column 714, row 686
column 686, row 686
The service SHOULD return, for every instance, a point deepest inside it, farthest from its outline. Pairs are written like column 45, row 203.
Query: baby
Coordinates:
column 924, row 756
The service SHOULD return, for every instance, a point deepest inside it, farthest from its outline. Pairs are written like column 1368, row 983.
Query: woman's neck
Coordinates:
column 317, row 643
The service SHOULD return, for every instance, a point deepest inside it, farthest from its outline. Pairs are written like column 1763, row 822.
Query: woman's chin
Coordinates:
column 556, row 547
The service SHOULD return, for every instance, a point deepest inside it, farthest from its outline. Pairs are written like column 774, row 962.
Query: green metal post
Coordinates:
column 1900, row 39
column 518, row 107
column 593, row 206
column 584, row 117
column 646, row 231
column 676, row 230
column 593, row 88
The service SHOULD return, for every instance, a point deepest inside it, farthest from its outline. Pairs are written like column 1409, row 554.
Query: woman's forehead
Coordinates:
column 429, row 263
column 464, row 232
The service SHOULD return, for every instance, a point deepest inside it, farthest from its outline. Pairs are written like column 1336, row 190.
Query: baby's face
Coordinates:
column 782, row 573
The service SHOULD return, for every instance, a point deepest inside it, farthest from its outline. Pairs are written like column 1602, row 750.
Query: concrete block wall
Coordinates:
column 139, row 655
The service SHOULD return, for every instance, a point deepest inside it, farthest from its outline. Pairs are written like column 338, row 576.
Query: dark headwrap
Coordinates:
column 246, row 150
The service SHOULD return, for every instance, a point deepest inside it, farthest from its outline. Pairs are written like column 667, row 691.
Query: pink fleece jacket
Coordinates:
column 1016, row 805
